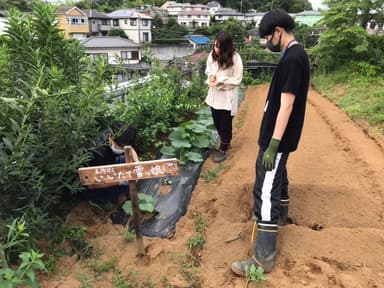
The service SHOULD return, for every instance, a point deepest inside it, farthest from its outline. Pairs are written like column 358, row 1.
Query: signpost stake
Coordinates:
column 135, row 205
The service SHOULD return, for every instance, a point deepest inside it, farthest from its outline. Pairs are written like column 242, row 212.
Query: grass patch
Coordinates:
column 362, row 98
column 211, row 175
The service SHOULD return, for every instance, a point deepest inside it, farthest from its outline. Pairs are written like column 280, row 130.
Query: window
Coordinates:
column 129, row 55
column 145, row 36
column 104, row 22
column 77, row 20
column 133, row 22
column 145, row 22
column 126, row 55
column 115, row 22
column 94, row 56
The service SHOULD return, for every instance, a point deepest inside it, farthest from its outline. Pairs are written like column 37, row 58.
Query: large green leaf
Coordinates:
column 197, row 128
column 181, row 143
column 194, row 157
column 202, row 141
column 127, row 207
column 168, row 151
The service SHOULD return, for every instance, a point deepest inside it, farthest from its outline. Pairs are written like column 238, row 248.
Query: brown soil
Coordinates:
column 335, row 183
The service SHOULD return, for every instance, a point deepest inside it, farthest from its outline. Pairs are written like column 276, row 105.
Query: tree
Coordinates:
column 51, row 104
column 345, row 44
column 22, row 5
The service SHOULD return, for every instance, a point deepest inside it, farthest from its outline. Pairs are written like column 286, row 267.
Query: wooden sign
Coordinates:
column 128, row 171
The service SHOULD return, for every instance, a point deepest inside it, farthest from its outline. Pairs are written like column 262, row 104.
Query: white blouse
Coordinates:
column 224, row 96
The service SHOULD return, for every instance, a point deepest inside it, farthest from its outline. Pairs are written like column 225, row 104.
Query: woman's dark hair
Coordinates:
column 226, row 50
column 273, row 19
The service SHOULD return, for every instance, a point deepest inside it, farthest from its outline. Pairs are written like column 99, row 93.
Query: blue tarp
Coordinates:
column 198, row 39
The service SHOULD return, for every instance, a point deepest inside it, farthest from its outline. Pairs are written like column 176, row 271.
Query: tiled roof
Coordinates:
column 92, row 13
column 108, row 42
column 128, row 13
column 194, row 13
column 66, row 9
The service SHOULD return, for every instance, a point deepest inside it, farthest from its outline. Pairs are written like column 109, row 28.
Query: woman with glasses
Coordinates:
column 225, row 72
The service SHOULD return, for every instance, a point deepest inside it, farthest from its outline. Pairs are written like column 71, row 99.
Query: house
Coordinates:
column 114, row 49
column 308, row 17
column 228, row 13
column 193, row 18
column 213, row 7
column 175, row 9
column 122, row 55
column 154, row 11
column 73, row 22
column 2, row 21
column 198, row 41
column 137, row 26
column 99, row 23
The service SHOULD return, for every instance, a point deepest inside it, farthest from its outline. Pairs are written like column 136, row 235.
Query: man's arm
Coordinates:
column 286, row 106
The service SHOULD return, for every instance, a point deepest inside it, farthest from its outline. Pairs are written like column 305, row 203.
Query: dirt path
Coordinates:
column 334, row 182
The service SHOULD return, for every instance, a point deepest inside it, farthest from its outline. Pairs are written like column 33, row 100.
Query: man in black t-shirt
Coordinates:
column 280, row 132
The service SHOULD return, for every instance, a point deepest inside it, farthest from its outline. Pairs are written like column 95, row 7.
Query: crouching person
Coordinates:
column 109, row 149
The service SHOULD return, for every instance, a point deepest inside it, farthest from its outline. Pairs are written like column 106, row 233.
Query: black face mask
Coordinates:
column 274, row 48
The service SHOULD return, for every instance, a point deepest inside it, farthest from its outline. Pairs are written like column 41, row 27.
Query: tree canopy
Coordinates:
column 345, row 43
column 292, row 6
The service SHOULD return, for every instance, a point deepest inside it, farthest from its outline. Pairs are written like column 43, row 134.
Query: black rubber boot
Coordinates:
column 264, row 257
column 265, row 249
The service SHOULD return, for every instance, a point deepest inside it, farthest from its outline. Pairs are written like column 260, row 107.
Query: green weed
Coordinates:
column 199, row 223
column 128, row 236
column 254, row 274
column 196, row 242
column 212, row 174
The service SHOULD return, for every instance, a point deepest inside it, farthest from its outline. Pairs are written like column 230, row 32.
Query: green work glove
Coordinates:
column 270, row 154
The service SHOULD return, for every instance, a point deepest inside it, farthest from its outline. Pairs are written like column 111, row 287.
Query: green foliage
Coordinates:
column 211, row 175
column 188, row 140
column 22, row 5
column 24, row 274
column 255, row 274
column 117, row 32
column 169, row 30
column 354, row 98
column 163, row 102
column 345, row 44
column 128, row 236
column 200, row 224
column 51, row 104
column 196, row 242
column 146, row 204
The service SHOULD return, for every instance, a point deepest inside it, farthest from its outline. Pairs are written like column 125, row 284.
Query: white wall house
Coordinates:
column 193, row 19
column 227, row 13
column 114, row 49
column 175, row 9
column 137, row 26
column 213, row 6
